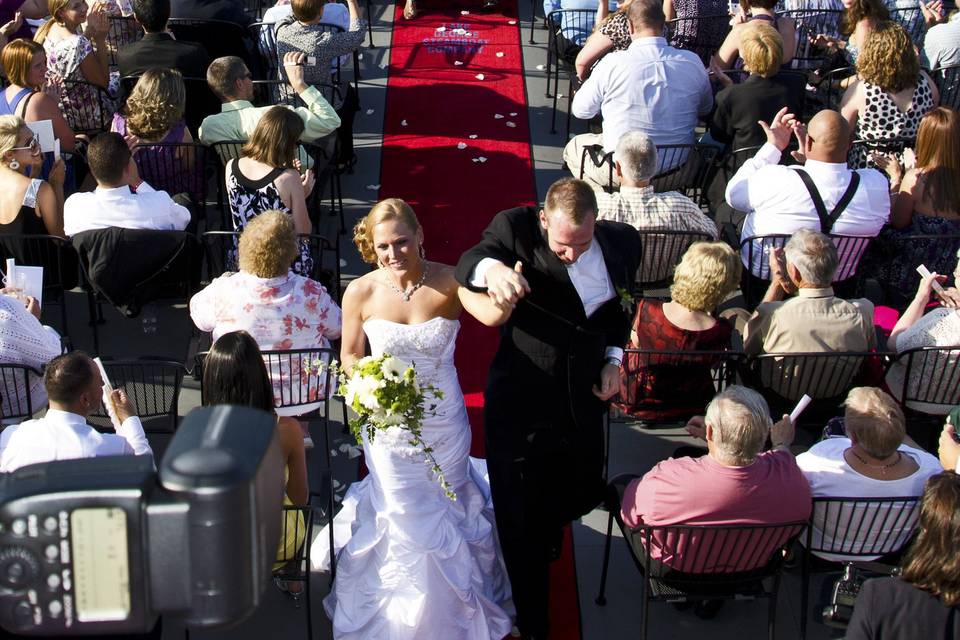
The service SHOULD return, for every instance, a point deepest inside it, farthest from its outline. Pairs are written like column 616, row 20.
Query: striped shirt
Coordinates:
column 643, row 209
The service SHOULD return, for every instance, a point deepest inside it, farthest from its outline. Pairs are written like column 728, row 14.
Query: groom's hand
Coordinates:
column 505, row 285
column 609, row 382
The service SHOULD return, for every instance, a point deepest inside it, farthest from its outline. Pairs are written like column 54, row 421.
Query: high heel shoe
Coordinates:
column 410, row 10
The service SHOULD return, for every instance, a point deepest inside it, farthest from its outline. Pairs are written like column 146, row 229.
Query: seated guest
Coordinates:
column 924, row 600
column 153, row 112
column 27, row 205
column 611, row 33
column 860, row 18
column 927, row 202
column 752, row 13
column 121, row 198
column 305, row 32
column 815, row 319
column 158, row 48
column 781, row 199
column 636, row 203
column 735, row 483
column 25, row 65
column 872, row 461
column 708, row 273
column 651, row 87
column 75, row 390
column 230, row 79
column 939, row 328
column 234, row 373
column 574, row 28
column 941, row 45
column 23, row 340
column 266, row 178
column 890, row 93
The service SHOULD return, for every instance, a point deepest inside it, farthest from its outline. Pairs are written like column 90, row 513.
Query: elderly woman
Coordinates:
column 280, row 309
column 872, row 461
column 752, row 13
column 924, row 601
column 656, row 387
column 891, row 93
column 25, row 341
column 940, row 328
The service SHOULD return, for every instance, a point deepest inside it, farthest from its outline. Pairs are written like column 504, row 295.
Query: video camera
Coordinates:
column 106, row 545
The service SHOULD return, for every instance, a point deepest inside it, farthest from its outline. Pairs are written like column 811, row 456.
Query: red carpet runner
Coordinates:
column 456, row 146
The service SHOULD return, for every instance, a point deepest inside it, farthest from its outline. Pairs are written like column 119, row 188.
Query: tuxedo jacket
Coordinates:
column 160, row 50
column 550, row 352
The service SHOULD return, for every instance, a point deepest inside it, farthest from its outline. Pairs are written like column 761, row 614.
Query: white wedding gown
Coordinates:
column 411, row 563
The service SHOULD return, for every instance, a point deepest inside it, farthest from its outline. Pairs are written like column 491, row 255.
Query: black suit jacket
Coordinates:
column 226, row 10
column 550, row 352
column 160, row 50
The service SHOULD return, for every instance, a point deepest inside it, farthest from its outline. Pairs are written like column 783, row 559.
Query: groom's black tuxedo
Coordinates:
column 543, row 424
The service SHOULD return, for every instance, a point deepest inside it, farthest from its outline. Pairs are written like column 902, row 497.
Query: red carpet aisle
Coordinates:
column 456, row 146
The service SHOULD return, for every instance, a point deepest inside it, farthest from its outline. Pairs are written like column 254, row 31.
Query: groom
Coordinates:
column 568, row 279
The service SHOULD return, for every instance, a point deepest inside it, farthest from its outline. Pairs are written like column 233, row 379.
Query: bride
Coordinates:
column 411, row 562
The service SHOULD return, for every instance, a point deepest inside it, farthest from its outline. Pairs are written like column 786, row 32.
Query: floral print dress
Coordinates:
column 85, row 108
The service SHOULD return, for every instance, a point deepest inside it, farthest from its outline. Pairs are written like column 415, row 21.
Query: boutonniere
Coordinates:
column 626, row 300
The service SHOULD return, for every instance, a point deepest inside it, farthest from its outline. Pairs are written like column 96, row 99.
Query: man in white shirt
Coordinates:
column 779, row 202
column 121, row 198
column 941, row 45
column 651, row 87
column 74, row 388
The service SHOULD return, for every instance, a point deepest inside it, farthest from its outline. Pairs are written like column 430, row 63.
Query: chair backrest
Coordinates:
column 15, row 400
column 123, row 30
column 61, row 269
column 675, row 383
column 861, row 527
column 932, row 376
column 661, row 252
column 939, row 253
column 685, row 168
column 948, row 80
column 824, row 375
column 174, row 167
column 218, row 37
column 220, row 255
column 575, row 25
column 87, row 108
column 715, row 555
column 153, row 386
column 698, row 34
column 912, row 20
column 757, row 249
column 296, row 532
column 888, row 145
column 265, row 36
column 810, row 23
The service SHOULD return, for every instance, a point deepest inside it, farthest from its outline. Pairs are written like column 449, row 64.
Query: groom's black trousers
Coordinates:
column 546, row 469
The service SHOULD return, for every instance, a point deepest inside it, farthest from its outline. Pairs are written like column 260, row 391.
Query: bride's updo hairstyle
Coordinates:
column 389, row 209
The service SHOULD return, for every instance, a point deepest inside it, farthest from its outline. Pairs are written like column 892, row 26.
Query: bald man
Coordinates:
column 821, row 194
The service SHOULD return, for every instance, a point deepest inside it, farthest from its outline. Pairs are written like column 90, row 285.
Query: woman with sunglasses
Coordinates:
column 28, row 205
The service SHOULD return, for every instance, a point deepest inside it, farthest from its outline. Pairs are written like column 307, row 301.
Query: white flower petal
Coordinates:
column 403, row 123
column 479, row 76
column 473, row 136
column 441, row 29
column 464, row 13
column 369, row 112
column 480, row 159
column 512, row 22
column 513, row 114
column 511, row 124
column 498, row 116
column 373, row 187
column 499, row 54
column 461, row 145
column 540, row 67
column 457, row 63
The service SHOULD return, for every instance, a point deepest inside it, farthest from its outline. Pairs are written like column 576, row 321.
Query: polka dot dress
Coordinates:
column 881, row 119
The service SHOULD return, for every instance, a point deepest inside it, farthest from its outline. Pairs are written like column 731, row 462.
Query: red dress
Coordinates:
column 658, row 387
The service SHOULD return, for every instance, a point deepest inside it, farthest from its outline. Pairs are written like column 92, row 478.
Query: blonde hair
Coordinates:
column 706, row 274
column 761, row 48
column 268, row 245
column 874, row 420
column 53, row 8
column 156, row 103
column 10, row 127
column 389, row 209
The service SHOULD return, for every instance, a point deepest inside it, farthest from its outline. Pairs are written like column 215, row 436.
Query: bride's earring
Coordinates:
column 14, row 164
column 423, row 253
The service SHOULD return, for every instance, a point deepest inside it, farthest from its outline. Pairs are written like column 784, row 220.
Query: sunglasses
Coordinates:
column 33, row 145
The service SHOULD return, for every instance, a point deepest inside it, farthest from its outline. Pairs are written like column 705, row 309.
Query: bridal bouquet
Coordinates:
column 384, row 393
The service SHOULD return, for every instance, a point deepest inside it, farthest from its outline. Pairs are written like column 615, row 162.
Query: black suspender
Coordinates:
column 827, row 220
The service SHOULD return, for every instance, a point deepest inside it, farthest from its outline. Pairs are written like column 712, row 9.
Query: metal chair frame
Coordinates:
column 554, row 62
column 296, row 568
column 139, row 378
column 939, row 364
column 123, row 30
column 692, row 175
column 84, row 118
column 12, row 378
column 660, row 252
column 704, row 47
column 948, row 81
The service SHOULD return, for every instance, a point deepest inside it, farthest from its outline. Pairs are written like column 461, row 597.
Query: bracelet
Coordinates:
column 612, row 360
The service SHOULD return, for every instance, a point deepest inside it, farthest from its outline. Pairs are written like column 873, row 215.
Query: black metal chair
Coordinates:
column 265, row 36
column 668, row 387
column 692, row 35
column 561, row 53
column 661, row 252
column 88, row 108
column 706, row 562
column 61, row 267
column 853, row 531
column 15, row 382
column 231, row 39
column 948, row 81
column 293, row 556
column 686, row 168
column 153, row 386
column 123, row 30
column 176, row 167
column 828, row 92
column 931, row 377
column 912, row 20
column 889, row 145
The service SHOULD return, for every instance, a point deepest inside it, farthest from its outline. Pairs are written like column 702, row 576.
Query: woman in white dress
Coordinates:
column 411, row 562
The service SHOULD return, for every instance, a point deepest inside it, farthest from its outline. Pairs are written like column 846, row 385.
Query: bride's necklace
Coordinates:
column 882, row 467
column 407, row 294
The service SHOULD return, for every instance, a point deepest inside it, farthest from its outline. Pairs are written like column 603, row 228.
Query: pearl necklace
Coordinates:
column 406, row 295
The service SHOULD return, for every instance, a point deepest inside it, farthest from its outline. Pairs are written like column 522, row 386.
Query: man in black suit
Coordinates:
column 157, row 48
column 568, row 279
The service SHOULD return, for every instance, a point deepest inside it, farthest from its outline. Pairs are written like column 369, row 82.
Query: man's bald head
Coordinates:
column 828, row 136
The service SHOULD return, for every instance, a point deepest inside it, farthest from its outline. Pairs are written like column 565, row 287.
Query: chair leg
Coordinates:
column 309, row 607
column 601, row 596
column 553, row 114
column 804, row 588
column 533, row 19
column 569, row 106
column 646, row 607
column 772, row 609
column 370, row 25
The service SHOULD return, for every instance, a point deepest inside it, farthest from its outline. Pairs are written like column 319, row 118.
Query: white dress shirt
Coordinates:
column 778, row 202
column 119, row 207
column 61, row 435
column 650, row 87
column 941, row 45
column 589, row 276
